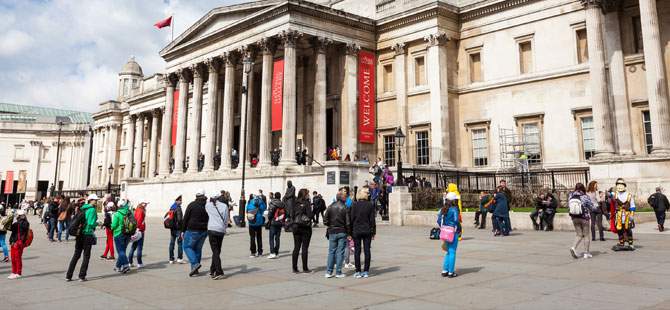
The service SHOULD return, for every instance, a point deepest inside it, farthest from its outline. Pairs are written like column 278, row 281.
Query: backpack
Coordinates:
column 29, row 239
column 575, row 206
column 435, row 233
column 279, row 217
column 252, row 215
column 6, row 223
column 302, row 220
column 129, row 224
column 169, row 220
column 77, row 224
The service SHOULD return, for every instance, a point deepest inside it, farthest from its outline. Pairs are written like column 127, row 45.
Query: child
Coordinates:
column 17, row 240
column 107, row 224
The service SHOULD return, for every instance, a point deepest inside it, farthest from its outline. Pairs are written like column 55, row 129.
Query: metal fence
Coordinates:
column 115, row 191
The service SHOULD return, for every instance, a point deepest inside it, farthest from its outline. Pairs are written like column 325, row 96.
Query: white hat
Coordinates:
column 121, row 203
column 93, row 197
column 214, row 195
column 144, row 201
column 21, row 212
column 200, row 192
column 110, row 204
column 453, row 196
column 257, row 194
column 177, row 197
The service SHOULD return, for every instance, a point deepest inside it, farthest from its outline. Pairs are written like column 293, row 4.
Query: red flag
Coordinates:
column 277, row 93
column 165, row 23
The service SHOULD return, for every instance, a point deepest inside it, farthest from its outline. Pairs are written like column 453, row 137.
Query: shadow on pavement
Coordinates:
column 377, row 271
column 242, row 270
column 43, row 274
column 464, row 271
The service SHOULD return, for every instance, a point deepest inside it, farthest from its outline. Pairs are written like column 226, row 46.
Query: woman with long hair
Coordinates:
column 448, row 216
column 364, row 230
column 597, row 214
column 140, row 215
column 64, row 218
column 302, row 230
column 581, row 221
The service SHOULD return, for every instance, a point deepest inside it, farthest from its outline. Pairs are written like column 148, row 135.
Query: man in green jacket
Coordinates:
column 85, row 240
column 121, row 240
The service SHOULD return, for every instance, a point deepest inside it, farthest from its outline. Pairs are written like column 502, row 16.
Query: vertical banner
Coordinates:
column 21, row 187
column 366, row 97
column 175, row 110
column 277, row 93
column 9, row 182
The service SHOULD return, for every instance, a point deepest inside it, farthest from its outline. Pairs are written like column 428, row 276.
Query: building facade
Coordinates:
column 475, row 85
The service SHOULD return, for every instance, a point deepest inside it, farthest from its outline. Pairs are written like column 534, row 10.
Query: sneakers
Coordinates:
column 125, row 269
column 83, row 280
column 11, row 276
column 573, row 252
column 308, row 271
column 6, row 259
column 631, row 247
column 194, row 270
column 110, row 259
column 103, row 257
column 358, row 275
column 140, row 266
column 365, row 274
column 296, row 271
column 272, row 256
column 253, row 255
column 171, row 262
column 587, row 255
column 349, row 266
column 68, row 280
column 445, row 274
column 218, row 277
column 452, row 275
column 341, row 275
column 181, row 261
column 14, row 276
column 328, row 275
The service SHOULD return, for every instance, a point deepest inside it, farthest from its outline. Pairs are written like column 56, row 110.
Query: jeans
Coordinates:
column 176, row 235
column 450, row 258
column 121, row 241
column 83, row 243
column 301, row 238
column 52, row 227
column 137, row 245
column 582, row 230
column 256, row 237
column 504, row 225
column 3, row 244
column 275, row 234
column 193, row 241
column 596, row 218
column 67, row 229
column 216, row 242
column 336, row 244
column 534, row 216
column 367, row 239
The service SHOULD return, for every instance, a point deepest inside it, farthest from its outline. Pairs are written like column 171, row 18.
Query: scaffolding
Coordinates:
column 514, row 145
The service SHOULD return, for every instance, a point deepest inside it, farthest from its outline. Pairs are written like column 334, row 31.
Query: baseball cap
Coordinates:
column 453, row 196
column 200, row 192
column 21, row 212
column 93, row 197
column 121, row 203
column 110, row 204
column 144, row 201
column 177, row 197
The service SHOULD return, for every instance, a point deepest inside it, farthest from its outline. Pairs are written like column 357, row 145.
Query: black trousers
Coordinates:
column 367, row 240
column 548, row 217
column 216, row 242
column 660, row 218
column 596, row 218
column 256, row 236
column 483, row 215
column 83, row 243
column 316, row 216
column 301, row 239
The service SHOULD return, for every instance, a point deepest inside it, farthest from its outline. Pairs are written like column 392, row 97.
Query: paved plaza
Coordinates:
column 528, row 270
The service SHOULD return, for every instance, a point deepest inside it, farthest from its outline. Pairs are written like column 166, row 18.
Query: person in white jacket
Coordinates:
column 217, row 209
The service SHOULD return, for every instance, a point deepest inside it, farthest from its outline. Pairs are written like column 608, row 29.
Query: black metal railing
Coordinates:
column 115, row 191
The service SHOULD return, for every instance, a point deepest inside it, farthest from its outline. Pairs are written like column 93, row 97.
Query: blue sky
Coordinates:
column 67, row 53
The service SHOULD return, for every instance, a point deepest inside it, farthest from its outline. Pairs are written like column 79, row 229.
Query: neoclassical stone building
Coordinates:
column 473, row 84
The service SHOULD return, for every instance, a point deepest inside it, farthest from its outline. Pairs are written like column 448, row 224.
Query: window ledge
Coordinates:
column 386, row 97
column 21, row 160
column 423, row 89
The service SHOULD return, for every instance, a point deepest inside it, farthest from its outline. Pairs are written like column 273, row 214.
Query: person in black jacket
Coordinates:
column 194, row 230
column 338, row 221
column 302, row 231
column 276, row 218
column 54, row 211
column 289, row 198
column 175, row 231
column 17, row 239
column 540, row 207
column 318, row 207
column 364, row 229
column 660, row 203
column 550, row 211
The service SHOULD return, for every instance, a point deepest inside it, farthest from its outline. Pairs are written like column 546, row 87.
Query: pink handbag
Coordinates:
column 447, row 233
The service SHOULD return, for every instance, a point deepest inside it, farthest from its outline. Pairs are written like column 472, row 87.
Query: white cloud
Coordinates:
column 67, row 53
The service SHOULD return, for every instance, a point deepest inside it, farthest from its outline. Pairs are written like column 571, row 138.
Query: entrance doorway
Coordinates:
column 329, row 129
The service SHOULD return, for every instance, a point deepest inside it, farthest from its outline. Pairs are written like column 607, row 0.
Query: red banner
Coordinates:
column 277, row 93
column 175, row 110
column 366, row 97
column 9, row 182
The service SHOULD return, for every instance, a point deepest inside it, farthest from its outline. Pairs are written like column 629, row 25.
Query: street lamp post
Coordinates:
column 109, row 182
column 248, row 63
column 399, row 140
column 53, row 187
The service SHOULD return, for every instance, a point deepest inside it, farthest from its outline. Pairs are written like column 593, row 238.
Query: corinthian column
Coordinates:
column 153, row 152
column 350, row 102
column 130, row 144
column 290, row 39
column 195, row 124
column 139, row 146
column 229, row 60
column 319, row 110
column 401, row 90
column 166, row 132
column 602, row 116
column 180, row 147
column 657, row 82
column 268, row 48
column 209, row 146
column 113, row 147
column 439, row 98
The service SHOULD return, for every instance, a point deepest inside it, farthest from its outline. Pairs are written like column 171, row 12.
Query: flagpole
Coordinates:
column 172, row 26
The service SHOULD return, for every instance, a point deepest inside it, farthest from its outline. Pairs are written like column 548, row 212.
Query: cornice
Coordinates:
column 438, row 11
column 467, row 15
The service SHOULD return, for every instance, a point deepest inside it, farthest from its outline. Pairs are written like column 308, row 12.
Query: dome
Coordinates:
column 131, row 67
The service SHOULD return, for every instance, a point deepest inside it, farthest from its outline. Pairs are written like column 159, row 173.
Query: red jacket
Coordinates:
column 139, row 216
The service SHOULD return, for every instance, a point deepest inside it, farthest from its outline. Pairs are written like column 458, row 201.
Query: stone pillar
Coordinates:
column 209, row 146
column 602, row 116
column 320, row 92
column 657, row 82
column 139, row 146
column 166, row 131
column 182, row 112
column 195, row 124
column 290, row 39
column 32, row 179
column 350, row 102
column 219, row 110
column 130, row 135
column 245, row 105
column 439, row 99
column 268, row 48
column 113, row 147
column 400, row 201
column 153, row 152
column 229, row 60
column 401, row 91
column 106, row 152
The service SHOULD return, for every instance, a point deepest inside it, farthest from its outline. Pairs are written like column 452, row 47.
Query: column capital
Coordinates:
column 351, row 49
column 268, row 45
column 213, row 64
column 439, row 38
column 607, row 6
column 250, row 50
column 320, row 44
column 399, row 48
column 114, row 125
column 156, row 113
column 35, row 143
column 132, row 117
column 170, row 79
column 184, row 75
column 230, row 58
column 198, row 70
column 290, row 37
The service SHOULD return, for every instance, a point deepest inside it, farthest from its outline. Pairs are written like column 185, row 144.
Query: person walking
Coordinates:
column 581, row 221
column 217, row 223
column 64, row 218
column 121, row 240
column 255, row 209
column 5, row 225
column 302, row 230
column 317, row 208
column 194, row 230
column 660, row 203
column 140, row 215
column 107, row 225
column 501, row 225
column 338, row 221
column 276, row 220
column 448, row 216
column 597, row 214
column 84, row 241
column 20, row 230
column 52, row 216
column 175, row 231
column 364, row 230
column 289, row 198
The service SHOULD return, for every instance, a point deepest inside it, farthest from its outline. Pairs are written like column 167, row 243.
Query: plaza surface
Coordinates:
column 528, row 270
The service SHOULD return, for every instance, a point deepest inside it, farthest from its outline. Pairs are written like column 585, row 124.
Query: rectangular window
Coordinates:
column 480, row 151
column 646, row 121
column 419, row 71
column 422, row 148
column 637, row 35
column 531, row 139
column 582, row 46
column 18, row 151
column 388, row 78
column 123, row 138
column 475, row 68
column 525, row 57
column 45, row 153
column 389, row 150
column 588, row 137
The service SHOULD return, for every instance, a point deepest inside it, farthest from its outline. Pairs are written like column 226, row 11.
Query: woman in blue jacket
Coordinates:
column 256, row 206
column 448, row 216
column 501, row 214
